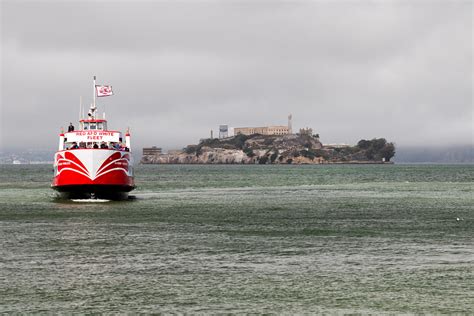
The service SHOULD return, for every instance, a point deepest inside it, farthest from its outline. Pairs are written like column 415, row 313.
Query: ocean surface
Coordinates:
column 365, row 239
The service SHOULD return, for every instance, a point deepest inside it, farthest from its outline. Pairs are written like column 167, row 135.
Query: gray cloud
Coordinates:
column 361, row 69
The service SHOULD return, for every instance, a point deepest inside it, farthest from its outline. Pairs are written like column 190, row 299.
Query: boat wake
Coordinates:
column 90, row 200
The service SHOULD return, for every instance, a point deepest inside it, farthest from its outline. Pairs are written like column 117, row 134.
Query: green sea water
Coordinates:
column 369, row 239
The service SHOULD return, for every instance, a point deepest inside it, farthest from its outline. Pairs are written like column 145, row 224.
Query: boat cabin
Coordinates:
column 87, row 125
column 93, row 134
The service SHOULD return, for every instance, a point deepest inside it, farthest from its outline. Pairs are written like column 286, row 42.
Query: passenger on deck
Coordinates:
column 123, row 147
column 74, row 146
column 70, row 128
column 82, row 145
column 103, row 146
column 95, row 146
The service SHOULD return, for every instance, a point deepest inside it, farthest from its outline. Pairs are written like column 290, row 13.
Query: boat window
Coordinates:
column 86, row 126
column 93, row 126
column 100, row 126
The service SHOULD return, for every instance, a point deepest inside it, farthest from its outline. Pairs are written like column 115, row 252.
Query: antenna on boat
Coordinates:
column 80, row 108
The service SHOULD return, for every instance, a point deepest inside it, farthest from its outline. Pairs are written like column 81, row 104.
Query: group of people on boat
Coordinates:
column 102, row 145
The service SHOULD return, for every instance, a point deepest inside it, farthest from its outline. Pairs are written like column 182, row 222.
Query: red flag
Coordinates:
column 104, row 91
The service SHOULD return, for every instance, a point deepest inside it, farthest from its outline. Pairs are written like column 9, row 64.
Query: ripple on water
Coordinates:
column 243, row 239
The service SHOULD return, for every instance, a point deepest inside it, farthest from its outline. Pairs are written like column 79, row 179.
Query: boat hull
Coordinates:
column 86, row 173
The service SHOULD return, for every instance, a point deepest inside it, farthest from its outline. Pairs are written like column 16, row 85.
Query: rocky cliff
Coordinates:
column 287, row 149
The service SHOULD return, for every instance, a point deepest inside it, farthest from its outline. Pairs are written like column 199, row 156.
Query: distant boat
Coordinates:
column 93, row 162
column 17, row 162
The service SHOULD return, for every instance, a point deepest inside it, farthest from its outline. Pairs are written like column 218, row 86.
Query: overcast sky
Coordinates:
column 349, row 69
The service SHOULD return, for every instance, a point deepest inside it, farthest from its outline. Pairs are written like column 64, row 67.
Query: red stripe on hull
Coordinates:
column 115, row 177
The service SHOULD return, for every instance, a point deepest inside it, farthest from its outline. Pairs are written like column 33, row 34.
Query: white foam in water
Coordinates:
column 90, row 200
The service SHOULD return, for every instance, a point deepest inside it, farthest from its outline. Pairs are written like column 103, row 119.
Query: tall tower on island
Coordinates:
column 290, row 127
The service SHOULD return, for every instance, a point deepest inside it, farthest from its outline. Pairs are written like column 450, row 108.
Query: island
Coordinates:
column 301, row 148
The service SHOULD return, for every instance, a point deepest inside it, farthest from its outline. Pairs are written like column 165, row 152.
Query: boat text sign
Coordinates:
column 92, row 136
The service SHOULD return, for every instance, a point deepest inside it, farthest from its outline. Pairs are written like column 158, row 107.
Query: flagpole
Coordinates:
column 94, row 92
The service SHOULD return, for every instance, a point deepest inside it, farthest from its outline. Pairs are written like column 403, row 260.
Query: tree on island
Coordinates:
column 377, row 148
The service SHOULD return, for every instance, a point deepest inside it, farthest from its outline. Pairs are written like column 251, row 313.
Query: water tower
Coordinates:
column 223, row 131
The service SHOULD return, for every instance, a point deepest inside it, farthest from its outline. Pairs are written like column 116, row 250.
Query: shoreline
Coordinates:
column 274, row 164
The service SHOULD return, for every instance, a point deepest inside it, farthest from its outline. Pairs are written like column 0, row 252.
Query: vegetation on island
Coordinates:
column 299, row 148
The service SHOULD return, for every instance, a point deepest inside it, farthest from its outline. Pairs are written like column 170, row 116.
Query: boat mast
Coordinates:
column 93, row 107
column 94, row 91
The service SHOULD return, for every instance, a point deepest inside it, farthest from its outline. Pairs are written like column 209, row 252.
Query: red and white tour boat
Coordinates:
column 93, row 161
